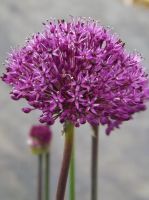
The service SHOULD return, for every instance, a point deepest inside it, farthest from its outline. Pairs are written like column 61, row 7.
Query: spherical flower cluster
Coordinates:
column 39, row 138
column 80, row 72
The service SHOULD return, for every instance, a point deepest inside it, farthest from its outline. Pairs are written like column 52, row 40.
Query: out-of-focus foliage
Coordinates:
column 138, row 2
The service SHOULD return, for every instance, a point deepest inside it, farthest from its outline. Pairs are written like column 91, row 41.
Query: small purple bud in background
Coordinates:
column 40, row 138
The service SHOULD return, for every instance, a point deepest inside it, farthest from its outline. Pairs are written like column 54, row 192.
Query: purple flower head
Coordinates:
column 80, row 72
column 41, row 133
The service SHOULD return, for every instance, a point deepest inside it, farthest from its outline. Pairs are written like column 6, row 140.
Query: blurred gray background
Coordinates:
column 124, row 156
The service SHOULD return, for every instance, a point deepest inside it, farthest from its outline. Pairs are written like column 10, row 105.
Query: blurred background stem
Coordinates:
column 94, row 163
column 47, row 173
column 40, row 176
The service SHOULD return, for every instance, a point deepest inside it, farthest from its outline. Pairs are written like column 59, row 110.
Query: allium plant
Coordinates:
column 78, row 71
column 40, row 137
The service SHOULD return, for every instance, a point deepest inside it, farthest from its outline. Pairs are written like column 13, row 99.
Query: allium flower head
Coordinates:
column 80, row 72
column 40, row 138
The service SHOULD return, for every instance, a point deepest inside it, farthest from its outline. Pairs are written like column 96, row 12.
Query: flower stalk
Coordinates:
column 40, row 177
column 68, row 146
column 47, row 174
column 72, row 176
column 94, row 163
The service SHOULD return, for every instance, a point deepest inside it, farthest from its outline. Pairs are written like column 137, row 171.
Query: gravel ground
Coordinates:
column 124, row 159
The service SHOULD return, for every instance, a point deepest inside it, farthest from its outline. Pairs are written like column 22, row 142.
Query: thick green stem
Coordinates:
column 69, row 132
column 47, row 188
column 94, row 164
column 72, row 176
column 40, row 176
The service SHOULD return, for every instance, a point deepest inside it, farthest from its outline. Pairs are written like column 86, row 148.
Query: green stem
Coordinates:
column 69, row 133
column 47, row 189
column 40, row 175
column 94, row 164
column 72, row 176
